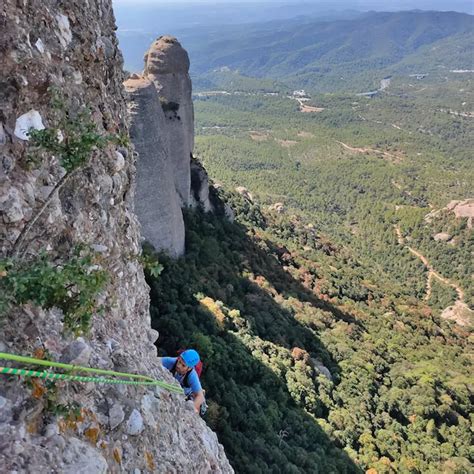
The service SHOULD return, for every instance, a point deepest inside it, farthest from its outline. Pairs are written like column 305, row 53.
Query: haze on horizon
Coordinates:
column 464, row 6
column 141, row 21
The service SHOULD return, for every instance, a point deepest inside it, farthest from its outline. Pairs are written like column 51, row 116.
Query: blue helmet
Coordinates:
column 190, row 357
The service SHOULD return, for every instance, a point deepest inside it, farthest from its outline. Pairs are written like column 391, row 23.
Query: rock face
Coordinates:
column 244, row 192
column 442, row 237
column 162, row 130
column 277, row 207
column 460, row 313
column 463, row 209
column 57, row 58
column 167, row 66
column 157, row 202
column 200, row 196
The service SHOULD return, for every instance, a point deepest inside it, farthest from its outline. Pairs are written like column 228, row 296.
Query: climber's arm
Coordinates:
column 198, row 400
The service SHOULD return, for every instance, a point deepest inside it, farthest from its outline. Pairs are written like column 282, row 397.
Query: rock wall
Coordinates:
column 200, row 195
column 162, row 130
column 167, row 65
column 66, row 51
column 157, row 202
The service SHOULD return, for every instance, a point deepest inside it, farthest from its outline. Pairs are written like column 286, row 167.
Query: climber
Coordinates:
column 184, row 371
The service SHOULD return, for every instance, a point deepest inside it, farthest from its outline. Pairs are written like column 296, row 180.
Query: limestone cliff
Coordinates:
column 58, row 60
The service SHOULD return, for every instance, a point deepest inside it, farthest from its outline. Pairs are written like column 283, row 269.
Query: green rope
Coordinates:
column 144, row 380
column 79, row 378
column 49, row 363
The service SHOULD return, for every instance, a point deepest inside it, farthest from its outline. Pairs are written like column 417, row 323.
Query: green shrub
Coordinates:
column 71, row 286
column 72, row 141
column 149, row 261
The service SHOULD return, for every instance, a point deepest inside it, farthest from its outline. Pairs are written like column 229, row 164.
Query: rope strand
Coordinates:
column 143, row 379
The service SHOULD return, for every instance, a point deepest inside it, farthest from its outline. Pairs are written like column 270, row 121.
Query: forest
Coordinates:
column 356, row 169
column 330, row 55
column 312, row 364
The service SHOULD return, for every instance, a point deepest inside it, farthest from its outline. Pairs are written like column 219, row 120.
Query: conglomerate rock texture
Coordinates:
column 52, row 48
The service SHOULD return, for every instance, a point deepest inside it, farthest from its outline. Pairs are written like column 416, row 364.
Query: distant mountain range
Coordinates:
column 139, row 25
column 342, row 54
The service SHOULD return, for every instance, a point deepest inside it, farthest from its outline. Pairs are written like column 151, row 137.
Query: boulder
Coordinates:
column 244, row 192
column 442, row 237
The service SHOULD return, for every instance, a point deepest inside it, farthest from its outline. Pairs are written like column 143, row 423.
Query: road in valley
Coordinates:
column 432, row 273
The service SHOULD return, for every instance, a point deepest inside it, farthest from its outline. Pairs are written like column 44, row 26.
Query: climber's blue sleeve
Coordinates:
column 194, row 382
column 168, row 362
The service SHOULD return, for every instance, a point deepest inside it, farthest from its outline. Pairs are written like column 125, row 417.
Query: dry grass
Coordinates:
column 303, row 134
column 286, row 143
column 309, row 108
column 259, row 136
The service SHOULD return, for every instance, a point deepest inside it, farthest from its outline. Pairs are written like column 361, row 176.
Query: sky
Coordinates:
column 380, row 5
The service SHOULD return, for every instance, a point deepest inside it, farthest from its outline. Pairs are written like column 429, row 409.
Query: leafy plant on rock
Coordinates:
column 71, row 285
column 149, row 261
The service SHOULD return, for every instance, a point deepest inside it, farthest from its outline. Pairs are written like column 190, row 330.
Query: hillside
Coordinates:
column 141, row 22
column 387, row 160
column 325, row 277
column 312, row 362
column 356, row 226
column 351, row 54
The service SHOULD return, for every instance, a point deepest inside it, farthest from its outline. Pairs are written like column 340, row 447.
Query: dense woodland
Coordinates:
column 356, row 169
column 311, row 365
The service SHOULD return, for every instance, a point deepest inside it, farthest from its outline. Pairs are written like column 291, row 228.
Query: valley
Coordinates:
column 297, row 234
column 353, row 168
column 340, row 143
column 336, row 310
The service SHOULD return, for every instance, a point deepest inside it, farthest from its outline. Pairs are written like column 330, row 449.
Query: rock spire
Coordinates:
column 162, row 130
